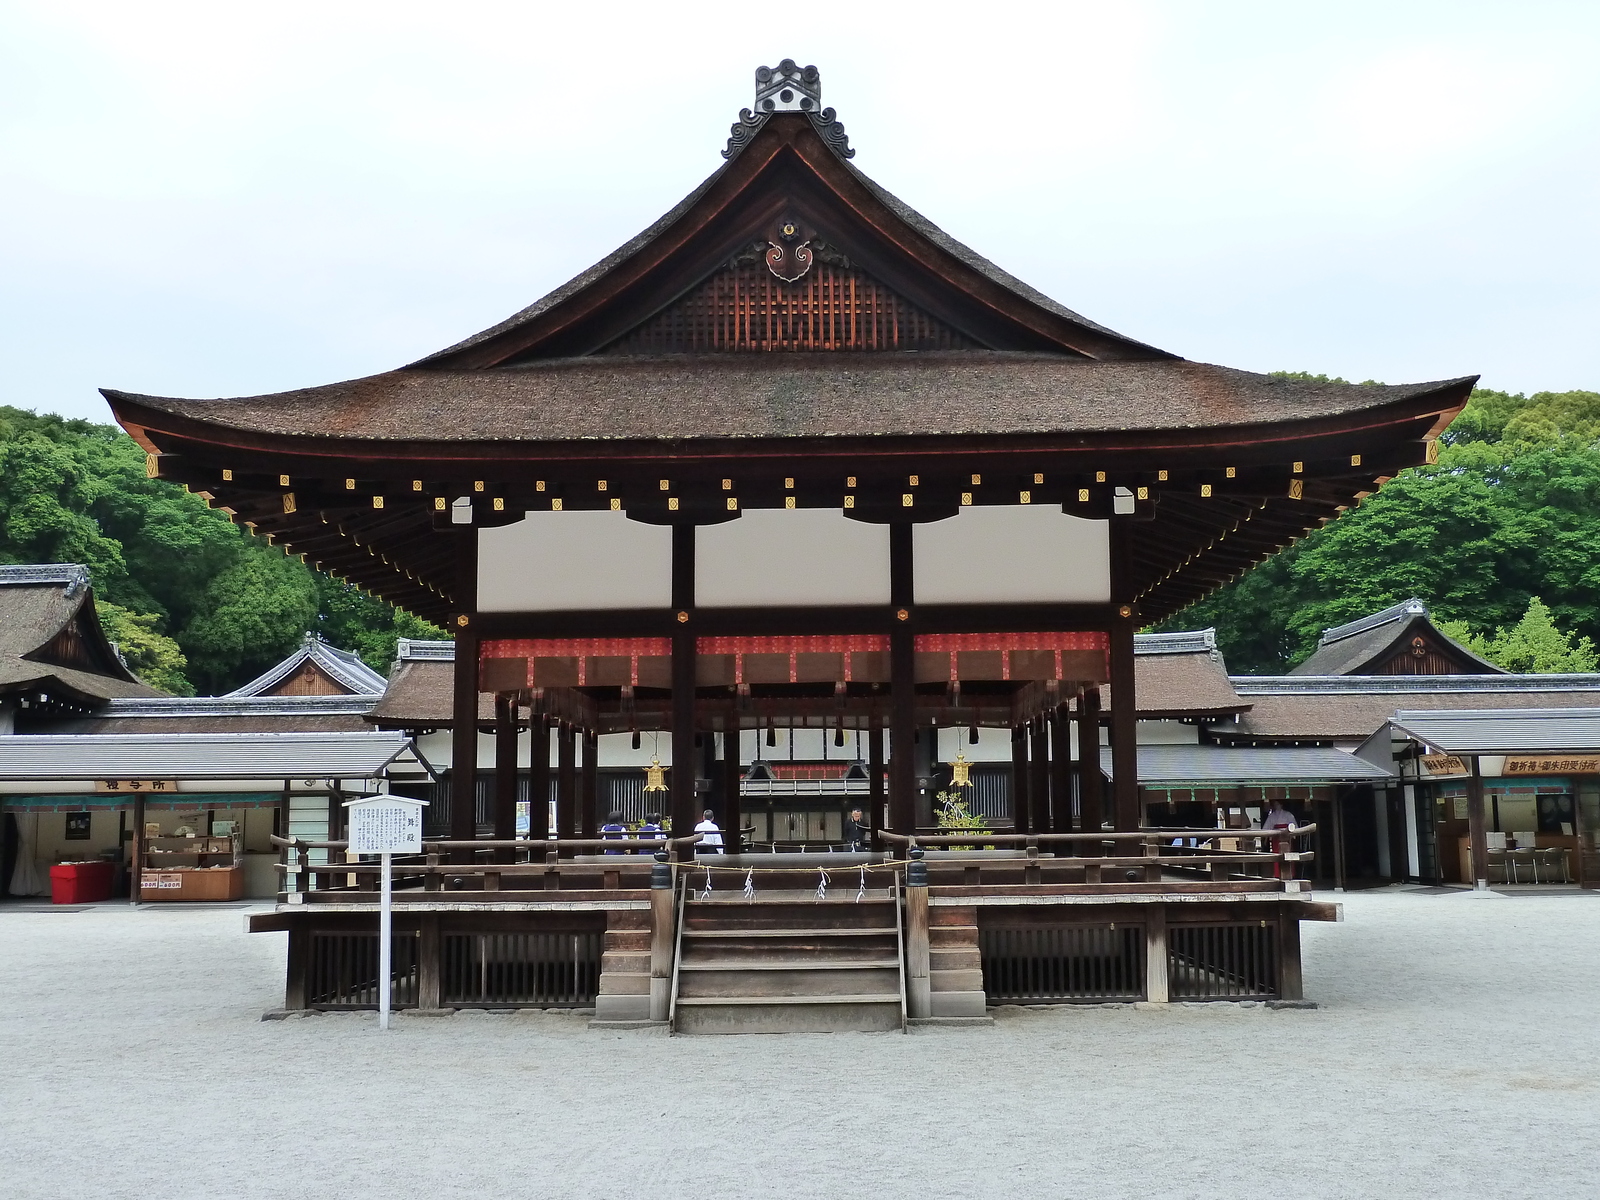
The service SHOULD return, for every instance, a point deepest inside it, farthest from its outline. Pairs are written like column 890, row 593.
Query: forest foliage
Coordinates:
column 195, row 603
column 1501, row 539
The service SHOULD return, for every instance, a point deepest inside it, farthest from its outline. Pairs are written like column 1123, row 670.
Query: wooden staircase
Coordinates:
column 786, row 962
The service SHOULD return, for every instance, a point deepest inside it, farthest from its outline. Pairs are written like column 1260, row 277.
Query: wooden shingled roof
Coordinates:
column 792, row 321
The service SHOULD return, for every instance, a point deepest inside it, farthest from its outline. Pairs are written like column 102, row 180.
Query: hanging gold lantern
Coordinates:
column 960, row 771
column 655, row 777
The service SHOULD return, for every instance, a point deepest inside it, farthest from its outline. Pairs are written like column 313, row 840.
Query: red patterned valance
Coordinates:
column 513, row 664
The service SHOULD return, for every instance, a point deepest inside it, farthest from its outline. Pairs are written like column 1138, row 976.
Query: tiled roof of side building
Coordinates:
column 1348, row 708
column 225, row 714
column 37, row 603
column 342, row 666
column 1345, row 649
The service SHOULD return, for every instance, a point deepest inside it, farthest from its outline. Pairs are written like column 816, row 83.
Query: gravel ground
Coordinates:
column 1454, row 1054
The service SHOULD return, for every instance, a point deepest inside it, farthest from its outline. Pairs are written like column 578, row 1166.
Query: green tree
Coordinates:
column 1511, row 511
column 75, row 491
column 1533, row 646
column 152, row 656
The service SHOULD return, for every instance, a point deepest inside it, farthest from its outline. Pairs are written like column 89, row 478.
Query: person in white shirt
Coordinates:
column 711, row 831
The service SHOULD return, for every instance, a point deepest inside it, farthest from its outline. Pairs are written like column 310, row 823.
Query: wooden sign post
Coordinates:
column 385, row 826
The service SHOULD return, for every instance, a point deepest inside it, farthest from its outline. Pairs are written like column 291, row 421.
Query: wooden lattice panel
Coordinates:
column 746, row 308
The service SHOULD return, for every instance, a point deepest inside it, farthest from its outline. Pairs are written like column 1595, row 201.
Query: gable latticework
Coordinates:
column 744, row 307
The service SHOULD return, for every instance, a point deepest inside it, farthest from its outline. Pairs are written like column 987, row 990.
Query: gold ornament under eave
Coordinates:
column 655, row 776
column 960, row 771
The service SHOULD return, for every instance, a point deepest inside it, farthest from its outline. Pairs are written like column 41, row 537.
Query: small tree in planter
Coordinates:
column 953, row 815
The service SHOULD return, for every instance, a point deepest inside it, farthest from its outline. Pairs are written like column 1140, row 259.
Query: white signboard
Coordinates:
column 386, row 825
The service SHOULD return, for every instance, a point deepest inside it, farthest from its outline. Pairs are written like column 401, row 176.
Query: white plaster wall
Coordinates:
column 558, row 561
column 791, row 556
column 1016, row 553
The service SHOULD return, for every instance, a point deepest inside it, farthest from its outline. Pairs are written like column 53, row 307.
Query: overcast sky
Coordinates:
column 212, row 198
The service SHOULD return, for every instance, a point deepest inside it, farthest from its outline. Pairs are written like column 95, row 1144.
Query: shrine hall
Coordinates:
column 795, row 458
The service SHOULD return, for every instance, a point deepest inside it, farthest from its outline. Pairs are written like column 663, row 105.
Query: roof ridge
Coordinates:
column 1192, row 641
column 73, row 576
column 1286, row 685
column 1394, row 612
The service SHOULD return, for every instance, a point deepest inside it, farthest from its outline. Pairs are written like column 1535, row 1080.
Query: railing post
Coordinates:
column 1156, row 987
column 661, row 937
column 919, row 993
column 430, row 948
column 294, row 992
column 1290, row 985
column 1030, row 870
column 431, row 881
column 303, row 866
column 552, row 866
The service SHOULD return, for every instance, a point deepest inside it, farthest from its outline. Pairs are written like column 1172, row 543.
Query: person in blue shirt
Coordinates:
column 651, row 827
column 614, row 830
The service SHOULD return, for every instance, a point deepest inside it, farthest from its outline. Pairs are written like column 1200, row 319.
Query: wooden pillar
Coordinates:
column 136, row 852
column 430, row 951
column 1156, row 986
column 919, row 982
column 1290, row 986
column 663, row 939
column 685, row 800
column 1477, row 830
column 1124, row 702
column 875, row 782
column 1091, row 782
column 505, row 772
column 566, row 782
column 538, row 778
column 902, row 686
column 464, row 745
column 591, row 784
column 1060, row 771
column 294, row 990
column 1039, row 779
column 1021, row 782
column 732, row 801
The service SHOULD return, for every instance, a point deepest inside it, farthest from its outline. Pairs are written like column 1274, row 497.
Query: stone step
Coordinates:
column 785, row 964
column 865, row 1013
column 789, row 984
column 792, row 932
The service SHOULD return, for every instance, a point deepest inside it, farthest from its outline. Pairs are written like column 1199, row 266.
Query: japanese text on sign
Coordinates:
column 386, row 827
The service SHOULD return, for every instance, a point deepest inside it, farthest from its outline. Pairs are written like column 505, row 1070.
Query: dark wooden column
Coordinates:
column 685, row 801
column 566, row 782
column 464, row 742
column 1021, row 782
column 591, row 784
column 1124, row 702
column 1477, row 829
column 875, row 782
column 902, row 686
column 505, row 772
column 539, row 778
column 1091, row 805
column 1039, row 781
column 732, row 802
column 1060, row 770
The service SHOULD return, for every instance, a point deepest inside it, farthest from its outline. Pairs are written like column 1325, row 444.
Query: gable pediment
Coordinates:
column 679, row 285
column 747, row 307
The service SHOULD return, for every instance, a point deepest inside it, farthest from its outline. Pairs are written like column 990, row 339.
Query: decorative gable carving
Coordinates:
column 833, row 306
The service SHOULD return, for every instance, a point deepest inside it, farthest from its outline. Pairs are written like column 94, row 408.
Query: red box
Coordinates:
column 80, row 882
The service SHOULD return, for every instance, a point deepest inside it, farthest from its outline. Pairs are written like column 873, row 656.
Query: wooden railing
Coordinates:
column 1160, row 850
column 541, row 865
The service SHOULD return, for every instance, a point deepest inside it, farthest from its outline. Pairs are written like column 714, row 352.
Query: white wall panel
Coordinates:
column 551, row 561
column 771, row 557
column 1017, row 554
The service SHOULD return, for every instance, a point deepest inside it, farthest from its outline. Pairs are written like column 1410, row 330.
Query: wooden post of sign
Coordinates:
column 1477, row 830
column 385, row 938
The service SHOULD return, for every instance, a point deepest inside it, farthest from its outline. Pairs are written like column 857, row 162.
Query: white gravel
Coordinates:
column 1456, row 1054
